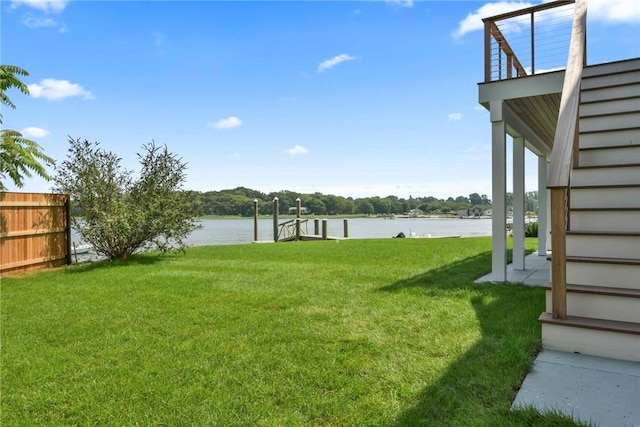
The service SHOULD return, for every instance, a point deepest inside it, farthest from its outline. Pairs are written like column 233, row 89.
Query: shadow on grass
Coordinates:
column 134, row 260
column 479, row 386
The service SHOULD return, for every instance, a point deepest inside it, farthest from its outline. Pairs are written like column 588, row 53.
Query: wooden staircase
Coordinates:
column 603, row 224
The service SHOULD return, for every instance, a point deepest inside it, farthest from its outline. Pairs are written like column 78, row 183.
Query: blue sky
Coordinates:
column 349, row 98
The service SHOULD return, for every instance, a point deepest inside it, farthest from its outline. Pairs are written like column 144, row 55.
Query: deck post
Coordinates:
column 558, row 253
column 518, row 203
column 276, row 208
column 346, row 228
column 499, row 190
column 324, row 229
column 543, row 215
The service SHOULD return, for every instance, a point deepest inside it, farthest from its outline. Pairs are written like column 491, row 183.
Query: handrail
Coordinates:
column 293, row 229
column 562, row 155
column 563, row 143
column 512, row 59
column 491, row 29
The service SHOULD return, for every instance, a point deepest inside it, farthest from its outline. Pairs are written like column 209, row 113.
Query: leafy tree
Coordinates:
column 316, row 206
column 19, row 156
column 123, row 215
column 364, row 207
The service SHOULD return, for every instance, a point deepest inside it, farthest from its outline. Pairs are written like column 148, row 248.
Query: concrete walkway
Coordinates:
column 605, row 392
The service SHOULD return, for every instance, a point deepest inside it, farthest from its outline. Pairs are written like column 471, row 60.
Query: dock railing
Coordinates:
column 527, row 41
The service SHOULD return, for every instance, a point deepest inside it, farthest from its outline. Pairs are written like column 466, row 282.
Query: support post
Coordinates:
column 499, row 190
column 316, row 226
column 324, row 229
column 298, row 208
column 543, row 230
column 276, row 209
column 558, row 254
column 346, row 228
column 255, row 220
column 298, row 228
column 518, row 203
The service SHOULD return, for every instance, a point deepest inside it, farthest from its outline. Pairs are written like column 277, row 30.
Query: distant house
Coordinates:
column 414, row 213
column 303, row 210
column 475, row 211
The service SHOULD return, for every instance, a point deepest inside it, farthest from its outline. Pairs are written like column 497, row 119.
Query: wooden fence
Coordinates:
column 35, row 231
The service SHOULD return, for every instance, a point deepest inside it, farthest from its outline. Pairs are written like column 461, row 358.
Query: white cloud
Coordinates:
column 34, row 132
column 55, row 6
column 609, row 11
column 614, row 11
column 35, row 22
column 473, row 21
column 58, row 89
column 402, row 3
column 227, row 123
column 455, row 116
column 330, row 63
column 297, row 150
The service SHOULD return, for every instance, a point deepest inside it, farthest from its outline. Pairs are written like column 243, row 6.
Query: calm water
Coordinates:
column 236, row 231
column 233, row 231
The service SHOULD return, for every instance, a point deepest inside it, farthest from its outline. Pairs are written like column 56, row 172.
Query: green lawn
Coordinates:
column 356, row 333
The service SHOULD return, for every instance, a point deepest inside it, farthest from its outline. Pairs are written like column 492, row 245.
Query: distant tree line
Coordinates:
column 239, row 202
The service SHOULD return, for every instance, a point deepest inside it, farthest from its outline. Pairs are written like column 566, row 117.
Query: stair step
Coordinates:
column 597, row 196
column 610, row 156
column 605, row 219
column 602, row 274
column 603, row 260
column 599, row 302
column 594, row 244
column 597, row 337
column 612, row 106
column 603, row 123
column 606, row 175
column 610, row 92
column 610, row 80
column 611, row 138
column 614, row 67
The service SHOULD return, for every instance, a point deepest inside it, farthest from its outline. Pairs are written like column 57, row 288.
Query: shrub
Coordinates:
column 122, row 215
column 531, row 230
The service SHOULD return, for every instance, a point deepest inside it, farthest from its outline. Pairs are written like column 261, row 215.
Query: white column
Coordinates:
column 543, row 230
column 518, row 203
column 498, row 193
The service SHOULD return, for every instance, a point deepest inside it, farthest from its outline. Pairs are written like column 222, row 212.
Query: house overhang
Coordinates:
column 530, row 107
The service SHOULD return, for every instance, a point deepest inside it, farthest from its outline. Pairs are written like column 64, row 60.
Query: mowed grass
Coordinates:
column 357, row 333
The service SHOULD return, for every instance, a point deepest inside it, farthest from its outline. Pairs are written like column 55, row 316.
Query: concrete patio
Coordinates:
column 536, row 273
column 604, row 392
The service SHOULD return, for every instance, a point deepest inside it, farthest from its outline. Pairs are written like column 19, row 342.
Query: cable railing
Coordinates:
column 528, row 41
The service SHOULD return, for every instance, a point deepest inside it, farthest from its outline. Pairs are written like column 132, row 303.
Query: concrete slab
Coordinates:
column 603, row 391
column 537, row 272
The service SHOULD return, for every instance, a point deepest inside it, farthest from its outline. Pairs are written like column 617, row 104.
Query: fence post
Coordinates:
column 67, row 210
column 276, row 208
column 324, row 229
column 346, row 228
column 255, row 220
column 316, row 226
